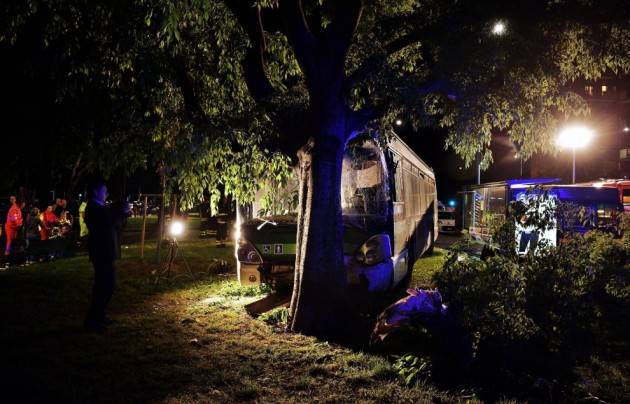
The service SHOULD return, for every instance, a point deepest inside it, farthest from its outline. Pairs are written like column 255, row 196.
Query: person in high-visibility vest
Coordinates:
column 83, row 226
column 13, row 224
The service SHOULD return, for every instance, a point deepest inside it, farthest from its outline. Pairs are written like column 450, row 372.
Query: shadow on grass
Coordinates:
column 177, row 342
column 147, row 355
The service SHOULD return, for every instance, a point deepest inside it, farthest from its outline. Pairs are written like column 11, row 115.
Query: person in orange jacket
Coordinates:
column 50, row 220
column 13, row 223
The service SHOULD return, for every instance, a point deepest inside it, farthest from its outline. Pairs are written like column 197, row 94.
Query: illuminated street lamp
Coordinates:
column 574, row 137
column 520, row 157
column 399, row 122
column 498, row 28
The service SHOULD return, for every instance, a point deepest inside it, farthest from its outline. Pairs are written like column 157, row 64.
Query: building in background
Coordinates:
column 609, row 100
column 608, row 156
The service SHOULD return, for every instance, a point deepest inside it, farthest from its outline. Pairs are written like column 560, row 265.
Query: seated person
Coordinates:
column 50, row 221
column 32, row 229
column 65, row 223
column 65, row 218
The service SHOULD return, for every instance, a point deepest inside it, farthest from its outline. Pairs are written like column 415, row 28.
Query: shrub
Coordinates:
column 413, row 369
column 276, row 317
column 544, row 312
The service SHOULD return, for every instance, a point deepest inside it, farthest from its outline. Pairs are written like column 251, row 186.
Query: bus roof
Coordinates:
column 396, row 144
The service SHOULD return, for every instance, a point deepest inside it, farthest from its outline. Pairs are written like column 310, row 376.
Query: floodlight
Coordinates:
column 575, row 137
column 177, row 228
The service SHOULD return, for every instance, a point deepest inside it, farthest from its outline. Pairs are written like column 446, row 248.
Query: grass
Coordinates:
column 186, row 340
column 190, row 340
column 426, row 267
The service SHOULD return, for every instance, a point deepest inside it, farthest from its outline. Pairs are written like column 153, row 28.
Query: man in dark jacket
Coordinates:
column 103, row 224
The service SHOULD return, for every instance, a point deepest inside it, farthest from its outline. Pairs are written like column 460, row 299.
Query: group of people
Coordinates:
column 25, row 227
column 98, row 222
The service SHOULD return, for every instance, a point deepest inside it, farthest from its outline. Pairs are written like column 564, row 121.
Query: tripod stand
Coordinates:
column 165, row 270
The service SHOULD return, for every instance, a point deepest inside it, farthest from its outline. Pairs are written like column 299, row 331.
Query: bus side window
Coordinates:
column 398, row 178
column 420, row 202
column 410, row 193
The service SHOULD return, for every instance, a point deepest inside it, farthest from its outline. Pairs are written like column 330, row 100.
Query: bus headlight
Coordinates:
column 375, row 250
column 247, row 253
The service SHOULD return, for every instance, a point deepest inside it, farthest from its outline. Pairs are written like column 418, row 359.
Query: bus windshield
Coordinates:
column 364, row 185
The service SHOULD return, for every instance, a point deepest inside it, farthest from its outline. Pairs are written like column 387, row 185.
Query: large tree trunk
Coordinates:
column 318, row 304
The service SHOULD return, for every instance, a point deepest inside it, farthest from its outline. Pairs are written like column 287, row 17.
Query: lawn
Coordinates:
column 184, row 340
column 426, row 267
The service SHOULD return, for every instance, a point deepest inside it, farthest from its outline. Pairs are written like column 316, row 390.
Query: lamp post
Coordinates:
column 574, row 137
column 520, row 157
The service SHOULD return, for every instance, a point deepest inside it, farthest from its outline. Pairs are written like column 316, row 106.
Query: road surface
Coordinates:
column 447, row 240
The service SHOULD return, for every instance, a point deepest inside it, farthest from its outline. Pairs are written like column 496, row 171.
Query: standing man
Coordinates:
column 103, row 224
column 13, row 224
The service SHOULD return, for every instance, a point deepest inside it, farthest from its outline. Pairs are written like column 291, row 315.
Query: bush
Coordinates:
column 413, row 369
column 546, row 312
column 559, row 295
column 276, row 317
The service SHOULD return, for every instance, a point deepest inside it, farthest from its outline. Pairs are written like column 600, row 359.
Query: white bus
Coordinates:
column 389, row 206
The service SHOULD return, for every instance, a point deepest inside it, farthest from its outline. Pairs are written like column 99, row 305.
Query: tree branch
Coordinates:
column 372, row 63
column 192, row 104
column 341, row 31
column 248, row 16
column 298, row 33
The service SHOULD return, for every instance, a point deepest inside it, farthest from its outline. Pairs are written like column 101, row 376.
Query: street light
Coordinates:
column 574, row 137
column 520, row 157
column 399, row 122
column 498, row 28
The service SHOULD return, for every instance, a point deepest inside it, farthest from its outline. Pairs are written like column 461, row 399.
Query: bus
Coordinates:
column 485, row 206
column 389, row 208
column 622, row 186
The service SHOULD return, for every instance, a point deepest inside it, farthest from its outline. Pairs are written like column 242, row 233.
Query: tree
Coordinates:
column 437, row 63
column 121, row 88
column 203, row 78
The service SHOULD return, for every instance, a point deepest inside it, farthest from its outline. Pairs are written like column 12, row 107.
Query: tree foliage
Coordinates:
column 153, row 76
column 147, row 84
column 438, row 64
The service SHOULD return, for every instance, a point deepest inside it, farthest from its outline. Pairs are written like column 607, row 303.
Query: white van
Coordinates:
column 446, row 222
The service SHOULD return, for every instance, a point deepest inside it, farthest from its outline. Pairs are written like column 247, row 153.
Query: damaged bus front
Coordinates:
column 388, row 201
